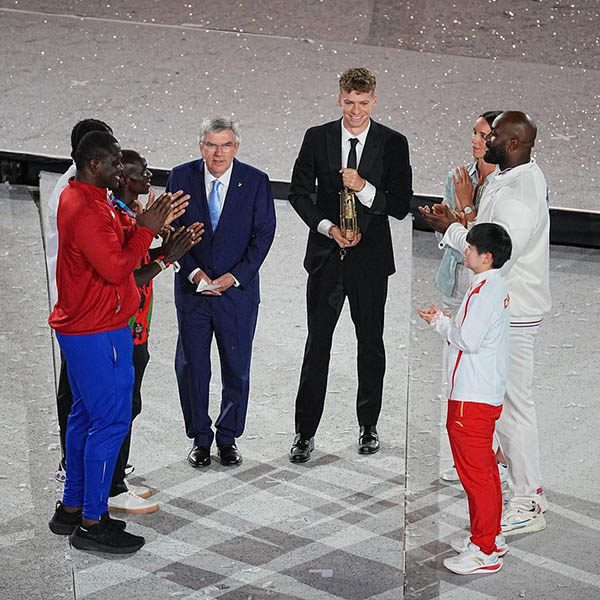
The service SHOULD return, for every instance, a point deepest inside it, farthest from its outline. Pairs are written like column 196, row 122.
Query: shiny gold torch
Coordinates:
column 348, row 220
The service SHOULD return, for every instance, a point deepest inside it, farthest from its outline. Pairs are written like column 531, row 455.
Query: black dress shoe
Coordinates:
column 199, row 456
column 230, row 455
column 368, row 440
column 301, row 449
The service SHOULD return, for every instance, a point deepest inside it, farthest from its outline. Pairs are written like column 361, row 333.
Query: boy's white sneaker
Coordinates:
column 460, row 544
column 473, row 561
column 128, row 502
column 450, row 475
column 522, row 516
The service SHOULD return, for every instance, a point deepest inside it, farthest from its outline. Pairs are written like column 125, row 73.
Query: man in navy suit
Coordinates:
column 217, row 286
column 371, row 160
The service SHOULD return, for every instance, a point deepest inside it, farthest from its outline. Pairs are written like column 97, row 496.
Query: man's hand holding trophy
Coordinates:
column 348, row 233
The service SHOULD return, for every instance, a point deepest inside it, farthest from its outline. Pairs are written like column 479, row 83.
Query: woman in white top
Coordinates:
column 464, row 186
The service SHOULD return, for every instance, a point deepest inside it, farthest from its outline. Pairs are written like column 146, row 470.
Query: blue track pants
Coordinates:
column 101, row 377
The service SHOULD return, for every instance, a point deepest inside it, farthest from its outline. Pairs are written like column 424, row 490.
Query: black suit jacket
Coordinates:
column 384, row 163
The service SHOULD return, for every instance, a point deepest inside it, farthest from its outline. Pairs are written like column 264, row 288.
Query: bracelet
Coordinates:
column 161, row 263
column 167, row 263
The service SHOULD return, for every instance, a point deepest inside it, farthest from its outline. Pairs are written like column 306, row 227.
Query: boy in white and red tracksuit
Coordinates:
column 477, row 370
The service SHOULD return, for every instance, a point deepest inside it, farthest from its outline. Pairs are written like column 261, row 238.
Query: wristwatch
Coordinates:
column 467, row 210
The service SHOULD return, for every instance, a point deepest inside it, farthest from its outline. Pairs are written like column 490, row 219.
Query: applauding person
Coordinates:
column 135, row 180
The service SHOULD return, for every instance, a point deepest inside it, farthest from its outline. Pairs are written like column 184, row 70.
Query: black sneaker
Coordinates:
column 63, row 522
column 105, row 537
column 115, row 522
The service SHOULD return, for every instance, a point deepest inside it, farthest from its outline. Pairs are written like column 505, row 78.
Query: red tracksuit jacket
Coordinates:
column 94, row 270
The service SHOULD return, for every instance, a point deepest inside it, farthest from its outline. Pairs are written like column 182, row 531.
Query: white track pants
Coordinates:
column 517, row 428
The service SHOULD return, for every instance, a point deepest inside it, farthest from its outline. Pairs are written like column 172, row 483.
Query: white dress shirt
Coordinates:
column 208, row 184
column 367, row 194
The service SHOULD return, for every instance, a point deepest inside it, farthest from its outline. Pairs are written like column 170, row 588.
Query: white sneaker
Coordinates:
column 522, row 516
column 503, row 471
column 60, row 475
column 140, row 490
column 472, row 561
column 460, row 544
column 128, row 502
column 450, row 474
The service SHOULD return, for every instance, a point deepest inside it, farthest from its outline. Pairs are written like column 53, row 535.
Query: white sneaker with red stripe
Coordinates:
column 521, row 515
column 460, row 544
column 473, row 561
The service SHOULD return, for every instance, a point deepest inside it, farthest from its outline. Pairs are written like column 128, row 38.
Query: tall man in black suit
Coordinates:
column 372, row 160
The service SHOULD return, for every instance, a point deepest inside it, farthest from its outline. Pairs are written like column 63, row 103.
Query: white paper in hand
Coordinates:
column 204, row 286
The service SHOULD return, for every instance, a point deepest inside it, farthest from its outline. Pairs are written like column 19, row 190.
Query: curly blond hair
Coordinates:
column 357, row 79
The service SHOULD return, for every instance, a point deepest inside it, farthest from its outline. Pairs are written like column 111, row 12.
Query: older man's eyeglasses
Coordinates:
column 228, row 147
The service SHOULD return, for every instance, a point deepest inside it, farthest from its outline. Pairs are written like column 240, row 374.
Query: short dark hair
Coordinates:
column 83, row 127
column 492, row 238
column 357, row 79
column 490, row 115
column 131, row 156
column 93, row 145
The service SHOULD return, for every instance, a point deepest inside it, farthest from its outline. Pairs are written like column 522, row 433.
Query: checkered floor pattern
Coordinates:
column 329, row 529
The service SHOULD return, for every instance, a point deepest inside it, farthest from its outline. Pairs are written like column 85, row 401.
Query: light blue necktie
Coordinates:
column 214, row 204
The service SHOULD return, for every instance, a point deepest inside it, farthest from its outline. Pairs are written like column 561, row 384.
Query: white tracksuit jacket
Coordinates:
column 517, row 199
column 478, row 338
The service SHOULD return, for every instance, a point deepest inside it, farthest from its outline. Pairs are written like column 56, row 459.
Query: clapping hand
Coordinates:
column 464, row 188
column 429, row 314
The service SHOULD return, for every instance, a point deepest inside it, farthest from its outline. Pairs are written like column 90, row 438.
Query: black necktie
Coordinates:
column 352, row 154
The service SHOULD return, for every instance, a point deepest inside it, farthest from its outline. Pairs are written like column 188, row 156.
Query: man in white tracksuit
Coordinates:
column 517, row 199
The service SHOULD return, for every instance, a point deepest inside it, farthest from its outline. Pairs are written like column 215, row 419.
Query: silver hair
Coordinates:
column 217, row 123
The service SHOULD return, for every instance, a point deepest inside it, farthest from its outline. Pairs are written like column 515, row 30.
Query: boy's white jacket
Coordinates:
column 517, row 199
column 478, row 338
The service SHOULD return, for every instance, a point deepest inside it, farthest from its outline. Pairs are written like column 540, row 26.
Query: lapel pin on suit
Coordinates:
column 239, row 184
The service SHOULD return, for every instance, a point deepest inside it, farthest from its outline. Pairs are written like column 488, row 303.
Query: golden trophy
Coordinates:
column 348, row 220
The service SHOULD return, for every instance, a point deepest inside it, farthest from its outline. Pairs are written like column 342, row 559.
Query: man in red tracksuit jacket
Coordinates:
column 97, row 295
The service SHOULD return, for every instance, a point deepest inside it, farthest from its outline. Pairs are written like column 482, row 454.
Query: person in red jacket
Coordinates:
column 97, row 295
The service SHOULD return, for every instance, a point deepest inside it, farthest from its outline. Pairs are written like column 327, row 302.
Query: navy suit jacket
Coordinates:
column 243, row 236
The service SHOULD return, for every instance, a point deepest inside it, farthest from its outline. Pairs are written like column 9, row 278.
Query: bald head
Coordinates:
column 511, row 139
column 519, row 124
